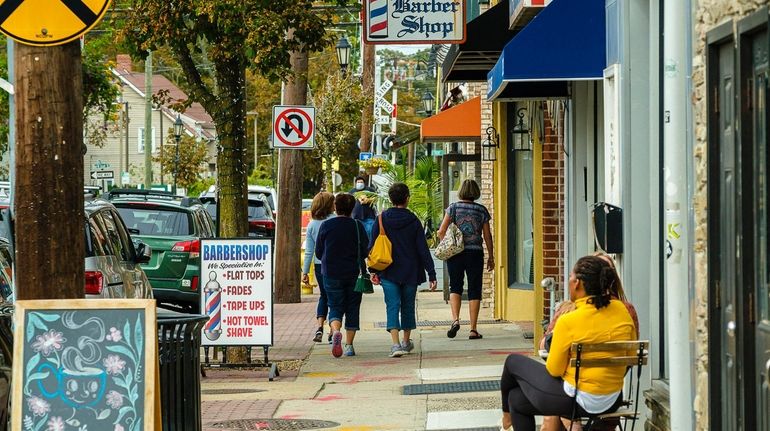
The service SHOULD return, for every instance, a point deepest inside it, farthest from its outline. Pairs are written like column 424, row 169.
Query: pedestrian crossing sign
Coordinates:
column 49, row 22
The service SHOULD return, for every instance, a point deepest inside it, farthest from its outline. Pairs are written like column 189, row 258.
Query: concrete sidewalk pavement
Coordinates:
column 365, row 392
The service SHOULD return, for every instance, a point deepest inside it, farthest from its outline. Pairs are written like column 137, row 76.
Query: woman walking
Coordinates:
column 473, row 221
column 411, row 259
column 321, row 209
column 341, row 246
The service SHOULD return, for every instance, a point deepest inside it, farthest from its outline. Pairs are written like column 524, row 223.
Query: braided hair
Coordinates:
column 598, row 279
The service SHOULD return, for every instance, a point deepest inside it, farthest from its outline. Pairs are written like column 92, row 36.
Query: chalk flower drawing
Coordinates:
column 119, row 427
column 38, row 406
column 113, row 364
column 114, row 335
column 114, row 400
column 48, row 342
column 55, row 424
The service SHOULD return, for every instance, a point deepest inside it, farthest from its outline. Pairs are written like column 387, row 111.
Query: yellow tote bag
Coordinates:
column 381, row 255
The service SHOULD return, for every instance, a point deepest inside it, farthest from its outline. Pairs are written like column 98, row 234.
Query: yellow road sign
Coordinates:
column 49, row 22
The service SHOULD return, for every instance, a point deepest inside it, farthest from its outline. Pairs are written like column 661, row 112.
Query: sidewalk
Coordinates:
column 365, row 392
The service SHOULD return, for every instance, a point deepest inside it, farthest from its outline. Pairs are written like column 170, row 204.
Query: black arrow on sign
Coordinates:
column 83, row 12
column 8, row 7
column 289, row 126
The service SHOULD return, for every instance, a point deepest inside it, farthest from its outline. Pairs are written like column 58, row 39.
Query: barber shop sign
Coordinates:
column 414, row 21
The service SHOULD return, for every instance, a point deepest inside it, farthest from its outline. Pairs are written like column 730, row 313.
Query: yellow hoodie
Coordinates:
column 588, row 325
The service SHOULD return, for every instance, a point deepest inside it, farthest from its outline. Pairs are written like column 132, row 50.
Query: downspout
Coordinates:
column 677, row 229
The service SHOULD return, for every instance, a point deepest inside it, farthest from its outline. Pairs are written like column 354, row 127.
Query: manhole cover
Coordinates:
column 230, row 391
column 447, row 388
column 274, row 424
column 424, row 323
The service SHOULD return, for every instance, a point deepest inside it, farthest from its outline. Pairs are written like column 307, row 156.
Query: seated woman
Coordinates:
column 528, row 388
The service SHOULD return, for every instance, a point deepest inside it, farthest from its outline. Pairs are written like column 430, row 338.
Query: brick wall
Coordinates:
column 553, row 203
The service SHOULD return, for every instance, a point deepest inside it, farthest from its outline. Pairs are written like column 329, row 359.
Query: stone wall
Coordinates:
column 707, row 15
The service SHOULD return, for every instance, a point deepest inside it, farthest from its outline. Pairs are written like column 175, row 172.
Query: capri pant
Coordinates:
column 468, row 263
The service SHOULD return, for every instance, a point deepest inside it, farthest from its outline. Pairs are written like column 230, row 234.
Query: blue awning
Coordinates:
column 565, row 42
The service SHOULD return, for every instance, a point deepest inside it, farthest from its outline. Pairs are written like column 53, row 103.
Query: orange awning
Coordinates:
column 461, row 123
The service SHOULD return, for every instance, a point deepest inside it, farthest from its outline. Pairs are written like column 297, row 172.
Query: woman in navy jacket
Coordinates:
column 411, row 260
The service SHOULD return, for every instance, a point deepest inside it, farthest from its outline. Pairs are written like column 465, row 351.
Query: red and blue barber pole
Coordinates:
column 213, row 292
column 378, row 19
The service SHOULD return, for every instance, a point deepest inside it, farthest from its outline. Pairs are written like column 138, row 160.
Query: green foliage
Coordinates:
column 192, row 155
column 261, row 177
column 200, row 186
column 424, row 185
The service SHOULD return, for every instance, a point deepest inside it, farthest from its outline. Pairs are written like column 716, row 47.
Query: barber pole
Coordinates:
column 378, row 19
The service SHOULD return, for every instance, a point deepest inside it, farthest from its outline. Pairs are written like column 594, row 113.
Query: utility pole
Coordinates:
column 48, row 187
column 287, row 240
column 367, row 86
column 148, row 135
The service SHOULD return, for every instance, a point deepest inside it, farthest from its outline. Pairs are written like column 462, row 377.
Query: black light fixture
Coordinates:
column 343, row 53
column 178, row 125
column 427, row 102
column 520, row 133
column 490, row 145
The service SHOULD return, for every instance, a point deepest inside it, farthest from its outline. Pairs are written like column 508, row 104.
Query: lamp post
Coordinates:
column 427, row 106
column 343, row 53
column 178, row 125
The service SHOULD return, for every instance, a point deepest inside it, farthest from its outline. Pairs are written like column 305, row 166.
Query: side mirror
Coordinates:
column 143, row 253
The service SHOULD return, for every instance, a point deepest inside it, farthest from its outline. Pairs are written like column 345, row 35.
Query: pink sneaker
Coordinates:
column 337, row 344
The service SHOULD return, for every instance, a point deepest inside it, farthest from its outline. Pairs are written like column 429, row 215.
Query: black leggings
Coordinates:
column 528, row 390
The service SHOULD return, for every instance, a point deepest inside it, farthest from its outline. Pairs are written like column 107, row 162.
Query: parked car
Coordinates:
column 270, row 194
column 173, row 226
column 261, row 221
column 113, row 257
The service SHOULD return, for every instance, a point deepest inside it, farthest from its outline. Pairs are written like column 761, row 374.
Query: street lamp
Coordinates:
column 427, row 103
column 343, row 53
column 178, row 125
column 520, row 133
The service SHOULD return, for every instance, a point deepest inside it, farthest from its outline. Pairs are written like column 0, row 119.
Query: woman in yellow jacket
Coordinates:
column 528, row 388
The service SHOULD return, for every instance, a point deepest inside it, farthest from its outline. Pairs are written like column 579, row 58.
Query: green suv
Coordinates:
column 173, row 227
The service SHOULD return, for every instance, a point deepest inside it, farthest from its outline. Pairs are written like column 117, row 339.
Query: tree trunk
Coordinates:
column 231, row 161
column 288, row 231
column 48, row 187
column 367, row 87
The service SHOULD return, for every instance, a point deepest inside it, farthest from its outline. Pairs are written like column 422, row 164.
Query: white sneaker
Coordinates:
column 396, row 351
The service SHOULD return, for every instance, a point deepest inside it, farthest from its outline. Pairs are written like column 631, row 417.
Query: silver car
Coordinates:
column 112, row 257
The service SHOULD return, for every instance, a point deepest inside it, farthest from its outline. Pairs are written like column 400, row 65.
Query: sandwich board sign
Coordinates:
column 410, row 21
column 85, row 364
column 49, row 22
column 237, row 291
column 294, row 127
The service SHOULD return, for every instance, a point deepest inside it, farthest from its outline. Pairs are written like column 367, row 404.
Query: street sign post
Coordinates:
column 294, row 127
column 364, row 156
column 384, row 105
column 102, row 175
column 49, row 22
column 384, row 87
column 383, row 119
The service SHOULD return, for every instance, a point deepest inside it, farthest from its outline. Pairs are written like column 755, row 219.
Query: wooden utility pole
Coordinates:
column 367, row 86
column 288, row 231
column 48, row 187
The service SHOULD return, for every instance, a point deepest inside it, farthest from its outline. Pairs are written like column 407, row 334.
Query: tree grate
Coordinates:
column 273, row 424
column 453, row 387
column 230, row 391
column 424, row 323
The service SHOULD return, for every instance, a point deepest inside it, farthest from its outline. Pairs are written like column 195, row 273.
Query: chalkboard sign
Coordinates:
column 84, row 365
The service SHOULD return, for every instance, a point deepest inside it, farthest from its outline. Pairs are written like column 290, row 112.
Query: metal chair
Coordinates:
column 623, row 359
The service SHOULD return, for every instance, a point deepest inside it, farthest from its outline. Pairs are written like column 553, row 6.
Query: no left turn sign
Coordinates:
column 294, row 127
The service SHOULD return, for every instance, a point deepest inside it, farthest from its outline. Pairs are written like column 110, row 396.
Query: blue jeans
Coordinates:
column 368, row 226
column 343, row 301
column 399, row 302
column 322, row 309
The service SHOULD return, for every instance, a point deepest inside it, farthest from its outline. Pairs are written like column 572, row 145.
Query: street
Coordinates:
column 365, row 392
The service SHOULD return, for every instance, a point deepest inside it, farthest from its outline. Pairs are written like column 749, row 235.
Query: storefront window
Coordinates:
column 523, row 196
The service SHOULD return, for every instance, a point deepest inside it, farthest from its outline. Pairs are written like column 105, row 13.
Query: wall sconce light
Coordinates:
column 520, row 133
column 490, row 145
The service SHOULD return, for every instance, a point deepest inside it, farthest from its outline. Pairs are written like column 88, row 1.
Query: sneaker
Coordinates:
column 337, row 344
column 396, row 351
column 348, row 350
column 319, row 333
column 407, row 347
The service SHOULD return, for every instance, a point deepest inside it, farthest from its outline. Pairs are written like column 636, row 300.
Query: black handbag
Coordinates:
column 363, row 284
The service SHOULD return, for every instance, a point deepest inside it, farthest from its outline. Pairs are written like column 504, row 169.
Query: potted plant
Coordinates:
column 373, row 165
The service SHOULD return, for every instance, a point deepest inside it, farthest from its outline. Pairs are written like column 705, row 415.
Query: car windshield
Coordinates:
column 211, row 208
column 157, row 221
column 257, row 210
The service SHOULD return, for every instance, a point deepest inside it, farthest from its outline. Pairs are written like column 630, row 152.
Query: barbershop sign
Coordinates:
column 414, row 21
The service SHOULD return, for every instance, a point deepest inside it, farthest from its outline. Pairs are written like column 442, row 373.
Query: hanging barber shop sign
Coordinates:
column 414, row 21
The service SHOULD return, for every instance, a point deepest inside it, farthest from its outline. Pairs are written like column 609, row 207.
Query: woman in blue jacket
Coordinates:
column 411, row 259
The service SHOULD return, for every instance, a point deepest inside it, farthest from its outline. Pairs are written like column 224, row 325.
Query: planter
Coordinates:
column 372, row 170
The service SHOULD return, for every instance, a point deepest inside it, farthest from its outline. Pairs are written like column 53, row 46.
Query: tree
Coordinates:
column 235, row 35
column 338, row 118
column 192, row 155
